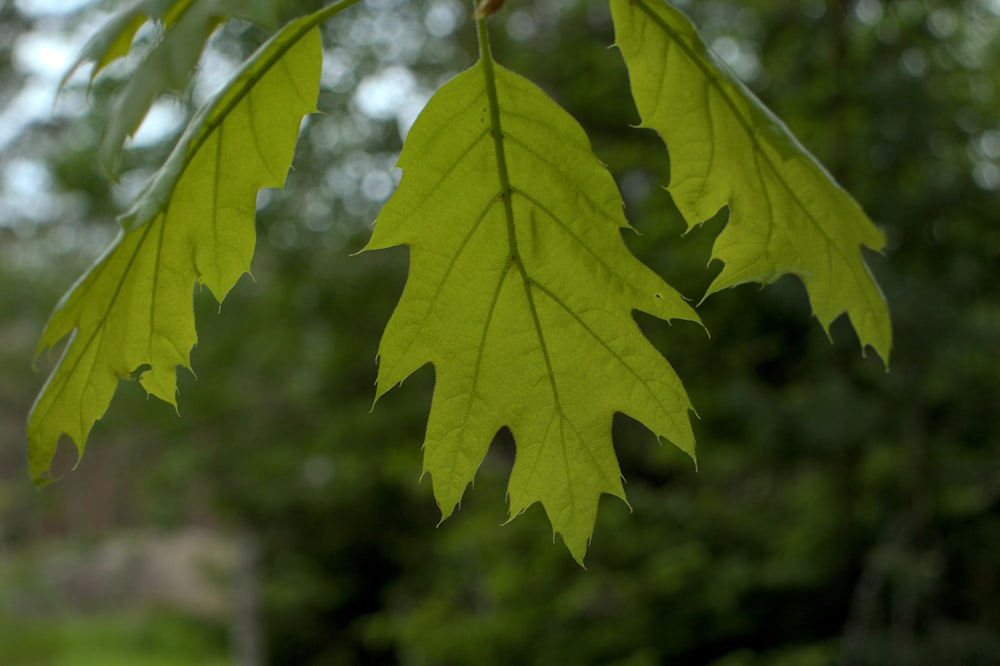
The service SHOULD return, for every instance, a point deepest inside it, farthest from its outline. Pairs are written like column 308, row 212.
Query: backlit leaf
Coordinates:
column 132, row 311
column 521, row 293
column 787, row 215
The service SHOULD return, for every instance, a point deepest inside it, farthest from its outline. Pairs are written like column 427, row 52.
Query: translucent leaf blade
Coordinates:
column 521, row 294
column 787, row 215
column 194, row 223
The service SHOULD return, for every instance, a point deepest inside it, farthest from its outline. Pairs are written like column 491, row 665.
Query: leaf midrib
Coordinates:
column 514, row 256
column 515, row 260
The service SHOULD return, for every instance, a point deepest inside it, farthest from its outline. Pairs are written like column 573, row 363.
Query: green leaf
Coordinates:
column 787, row 215
column 520, row 293
column 168, row 65
column 193, row 223
column 114, row 39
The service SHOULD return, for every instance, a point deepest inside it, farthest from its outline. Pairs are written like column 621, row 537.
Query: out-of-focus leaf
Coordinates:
column 168, row 65
column 114, row 39
column 787, row 215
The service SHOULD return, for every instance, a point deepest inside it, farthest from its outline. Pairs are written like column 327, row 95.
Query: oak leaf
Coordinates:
column 787, row 214
column 521, row 293
column 132, row 312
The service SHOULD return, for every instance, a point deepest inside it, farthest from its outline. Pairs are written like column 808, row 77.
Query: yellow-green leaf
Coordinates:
column 132, row 311
column 521, row 293
column 786, row 213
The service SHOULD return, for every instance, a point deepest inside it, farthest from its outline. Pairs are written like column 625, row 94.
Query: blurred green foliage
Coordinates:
column 110, row 639
column 840, row 514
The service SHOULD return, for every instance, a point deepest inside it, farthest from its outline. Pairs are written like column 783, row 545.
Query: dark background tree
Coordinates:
column 840, row 514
